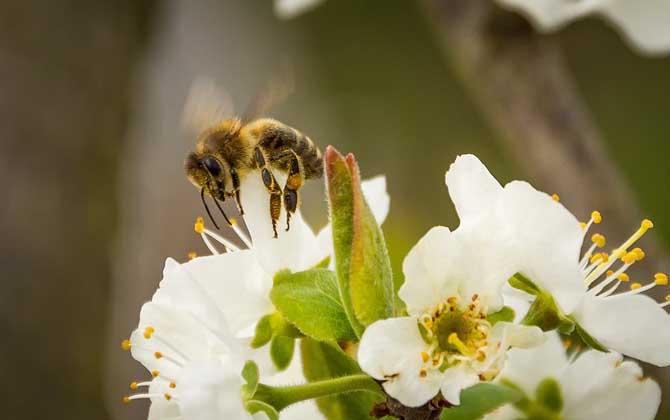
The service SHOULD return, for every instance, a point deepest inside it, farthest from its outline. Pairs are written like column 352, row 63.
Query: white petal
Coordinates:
column 296, row 249
column 527, row 367
column 634, row 325
column 287, row 9
column 426, row 270
column 601, row 386
column 456, row 379
column 161, row 408
column 210, row 390
column 645, row 24
column 548, row 241
column 390, row 351
column 374, row 191
column 549, row 15
column 517, row 300
column 238, row 285
column 472, row 187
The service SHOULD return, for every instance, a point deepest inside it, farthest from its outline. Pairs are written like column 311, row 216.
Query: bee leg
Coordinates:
column 293, row 184
column 236, row 189
column 272, row 186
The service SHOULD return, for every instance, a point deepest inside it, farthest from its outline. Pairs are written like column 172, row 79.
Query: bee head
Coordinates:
column 207, row 172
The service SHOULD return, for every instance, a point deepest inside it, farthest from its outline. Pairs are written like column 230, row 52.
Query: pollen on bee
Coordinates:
column 125, row 345
column 199, row 225
column 661, row 279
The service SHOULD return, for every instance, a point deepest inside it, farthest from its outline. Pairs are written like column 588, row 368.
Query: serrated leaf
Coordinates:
column 323, row 361
column 310, row 300
column 255, row 406
column 281, row 351
column 361, row 258
column 506, row 314
column 479, row 400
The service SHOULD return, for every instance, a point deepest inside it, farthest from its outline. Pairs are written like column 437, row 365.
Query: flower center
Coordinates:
column 455, row 333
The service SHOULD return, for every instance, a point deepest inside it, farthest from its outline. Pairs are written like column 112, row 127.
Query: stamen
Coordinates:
column 149, row 333
column 456, row 342
column 666, row 303
column 128, row 398
column 243, row 236
column 192, row 255
column 555, row 197
column 424, row 356
column 125, row 345
column 199, row 228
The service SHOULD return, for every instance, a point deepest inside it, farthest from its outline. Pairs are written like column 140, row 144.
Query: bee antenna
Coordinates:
column 222, row 212
column 204, row 203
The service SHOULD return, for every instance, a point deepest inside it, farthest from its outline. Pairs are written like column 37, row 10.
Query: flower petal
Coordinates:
column 548, row 241
column 634, row 325
column 374, row 191
column 600, row 386
column 161, row 408
column 238, row 285
column 472, row 187
column 645, row 25
column 456, row 379
column 527, row 367
column 390, row 351
column 288, row 9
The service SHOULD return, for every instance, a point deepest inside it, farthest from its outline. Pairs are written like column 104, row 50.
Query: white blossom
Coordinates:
column 595, row 386
column 545, row 240
column 643, row 23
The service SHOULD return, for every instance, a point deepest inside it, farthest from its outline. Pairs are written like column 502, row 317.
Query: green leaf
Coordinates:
column 324, row 263
column 479, row 400
column 362, row 262
column 310, row 300
column 548, row 394
column 506, row 314
column 521, row 282
column 281, row 351
column 589, row 340
column 250, row 375
column 272, row 325
column 323, row 361
column 255, row 406
column 545, row 313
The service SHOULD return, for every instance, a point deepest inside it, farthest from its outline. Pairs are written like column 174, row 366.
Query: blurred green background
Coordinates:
column 92, row 151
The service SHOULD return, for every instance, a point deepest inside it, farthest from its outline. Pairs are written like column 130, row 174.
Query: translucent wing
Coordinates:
column 206, row 104
column 275, row 91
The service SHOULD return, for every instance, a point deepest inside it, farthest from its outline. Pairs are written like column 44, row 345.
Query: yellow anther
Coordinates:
column 667, row 298
column 639, row 253
column 192, row 255
column 596, row 217
column 555, row 197
column 635, row 286
column 661, row 279
column 583, row 225
column 596, row 257
column 423, row 373
column 609, row 273
column 647, row 224
column 629, row 258
column 155, row 373
column 199, row 226
column 148, row 332
column 424, row 356
column 133, row 386
column 126, row 399
column 456, row 342
column 158, row 355
column 567, row 343
column 429, row 323
column 623, row 277
column 173, row 385
column 168, row 396
column 233, row 222
column 125, row 344
column 599, row 240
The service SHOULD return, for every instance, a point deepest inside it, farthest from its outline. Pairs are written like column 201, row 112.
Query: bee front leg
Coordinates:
column 272, row 186
column 293, row 184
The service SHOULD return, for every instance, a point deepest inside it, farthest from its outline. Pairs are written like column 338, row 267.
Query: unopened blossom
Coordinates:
column 594, row 386
column 644, row 23
column 544, row 240
column 446, row 343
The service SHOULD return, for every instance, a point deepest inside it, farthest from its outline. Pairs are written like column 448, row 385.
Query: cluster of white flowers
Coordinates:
column 463, row 323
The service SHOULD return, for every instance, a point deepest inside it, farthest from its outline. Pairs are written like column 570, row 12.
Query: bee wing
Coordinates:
column 275, row 91
column 206, row 104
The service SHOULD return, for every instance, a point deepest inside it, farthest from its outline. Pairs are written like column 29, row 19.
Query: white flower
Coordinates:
column 194, row 336
column 644, row 23
column 453, row 280
column 545, row 240
column 287, row 9
column 595, row 386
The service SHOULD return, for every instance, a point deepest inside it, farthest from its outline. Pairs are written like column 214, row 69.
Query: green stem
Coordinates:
column 282, row 397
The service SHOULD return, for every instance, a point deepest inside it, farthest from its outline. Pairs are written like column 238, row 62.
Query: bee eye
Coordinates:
column 212, row 166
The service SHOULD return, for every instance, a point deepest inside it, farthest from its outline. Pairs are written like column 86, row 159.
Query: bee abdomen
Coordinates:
column 280, row 138
column 311, row 157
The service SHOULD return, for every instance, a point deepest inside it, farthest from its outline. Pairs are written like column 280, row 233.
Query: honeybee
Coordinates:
column 233, row 148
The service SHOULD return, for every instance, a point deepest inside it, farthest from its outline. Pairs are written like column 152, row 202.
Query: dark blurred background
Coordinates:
column 91, row 151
